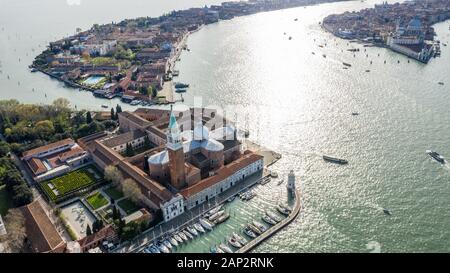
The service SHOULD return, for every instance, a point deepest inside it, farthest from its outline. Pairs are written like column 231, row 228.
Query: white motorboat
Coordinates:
column 225, row 248
column 260, row 226
column 182, row 235
column 167, row 244
column 268, row 220
column 192, row 230
column 199, row 228
column 173, row 241
column 274, row 217
column 206, row 224
column 232, row 241
column 240, row 239
column 163, row 248
column 188, row 234
column 216, row 215
column 178, row 238
column 249, row 232
column 214, row 211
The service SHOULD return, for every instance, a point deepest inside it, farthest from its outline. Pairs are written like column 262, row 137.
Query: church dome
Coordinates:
column 201, row 132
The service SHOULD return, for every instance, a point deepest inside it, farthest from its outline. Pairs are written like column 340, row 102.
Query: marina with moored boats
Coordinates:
column 233, row 226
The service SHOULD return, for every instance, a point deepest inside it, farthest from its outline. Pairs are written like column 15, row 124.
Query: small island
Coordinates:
column 135, row 58
column 403, row 27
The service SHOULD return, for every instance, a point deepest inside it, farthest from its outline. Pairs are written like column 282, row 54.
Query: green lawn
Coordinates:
column 5, row 201
column 114, row 193
column 103, row 61
column 71, row 182
column 97, row 200
column 128, row 206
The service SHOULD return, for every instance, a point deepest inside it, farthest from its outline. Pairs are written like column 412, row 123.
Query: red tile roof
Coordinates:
column 221, row 174
column 48, row 147
column 40, row 230
column 36, row 166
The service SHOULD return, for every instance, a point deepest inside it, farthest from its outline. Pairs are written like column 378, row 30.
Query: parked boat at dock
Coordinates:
column 206, row 224
column 167, row 244
column 163, row 248
column 249, row 232
column 173, row 241
column 188, row 234
column 178, row 238
column 182, row 235
column 216, row 215
column 199, row 228
column 239, row 238
column 274, row 217
column 214, row 211
column 232, row 241
column 260, row 226
column 268, row 220
column 225, row 248
column 283, row 210
column 254, row 229
column 192, row 230
column 222, row 218
column 215, row 249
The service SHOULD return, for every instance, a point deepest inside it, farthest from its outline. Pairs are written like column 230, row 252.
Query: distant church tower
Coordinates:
column 176, row 154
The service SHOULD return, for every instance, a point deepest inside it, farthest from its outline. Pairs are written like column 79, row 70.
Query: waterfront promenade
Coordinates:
column 274, row 229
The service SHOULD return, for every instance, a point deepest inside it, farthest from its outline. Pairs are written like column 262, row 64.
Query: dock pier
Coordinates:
column 274, row 229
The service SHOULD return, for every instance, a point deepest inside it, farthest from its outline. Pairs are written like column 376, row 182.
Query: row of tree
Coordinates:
column 15, row 184
column 131, row 190
column 26, row 126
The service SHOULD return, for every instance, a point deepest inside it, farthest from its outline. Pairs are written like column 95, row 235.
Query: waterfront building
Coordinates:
column 410, row 41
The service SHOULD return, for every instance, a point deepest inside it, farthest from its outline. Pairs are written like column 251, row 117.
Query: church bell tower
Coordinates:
column 176, row 154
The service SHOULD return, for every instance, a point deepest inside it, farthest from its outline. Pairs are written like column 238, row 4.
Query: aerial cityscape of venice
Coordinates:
column 204, row 126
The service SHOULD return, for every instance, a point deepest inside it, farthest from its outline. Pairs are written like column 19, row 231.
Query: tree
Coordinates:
column 146, row 166
column 16, row 232
column 131, row 189
column 114, row 175
column 113, row 116
column 118, row 110
column 115, row 213
column 88, row 117
column 129, row 150
column 88, row 231
column 4, row 148
column 22, row 195
column 61, row 104
column 44, row 129
column 154, row 93
column 89, row 129
column 97, row 225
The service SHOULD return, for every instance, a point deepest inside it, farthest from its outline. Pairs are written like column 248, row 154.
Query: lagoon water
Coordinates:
column 296, row 103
